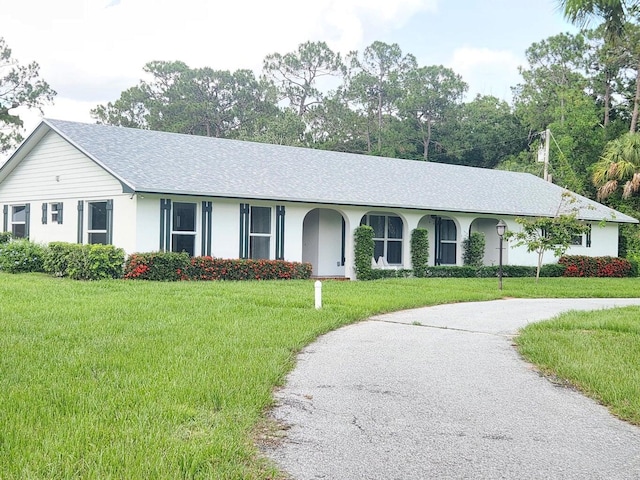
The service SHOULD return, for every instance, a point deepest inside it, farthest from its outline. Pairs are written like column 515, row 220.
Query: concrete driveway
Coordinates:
column 440, row 393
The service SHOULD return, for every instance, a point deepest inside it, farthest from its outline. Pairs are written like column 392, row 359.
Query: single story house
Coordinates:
column 146, row 191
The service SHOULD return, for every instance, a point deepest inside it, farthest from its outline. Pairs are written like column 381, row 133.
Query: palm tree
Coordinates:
column 620, row 162
column 615, row 14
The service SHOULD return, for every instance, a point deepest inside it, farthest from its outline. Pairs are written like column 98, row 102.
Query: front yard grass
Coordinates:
column 596, row 351
column 134, row 379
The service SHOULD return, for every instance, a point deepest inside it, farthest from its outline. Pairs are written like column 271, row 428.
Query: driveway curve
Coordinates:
column 440, row 392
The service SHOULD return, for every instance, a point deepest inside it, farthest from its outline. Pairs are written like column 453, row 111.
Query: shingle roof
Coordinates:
column 150, row 161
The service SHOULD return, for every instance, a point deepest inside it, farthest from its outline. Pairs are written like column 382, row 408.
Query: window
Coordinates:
column 19, row 221
column 387, row 237
column 260, row 232
column 576, row 240
column 183, row 234
column 448, row 240
column 582, row 239
column 98, row 223
column 56, row 212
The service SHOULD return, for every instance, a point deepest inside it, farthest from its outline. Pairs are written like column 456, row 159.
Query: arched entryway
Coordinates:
column 487, row 226
column 323, row 242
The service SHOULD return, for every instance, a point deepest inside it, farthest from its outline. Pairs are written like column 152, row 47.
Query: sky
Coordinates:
column 89, row 51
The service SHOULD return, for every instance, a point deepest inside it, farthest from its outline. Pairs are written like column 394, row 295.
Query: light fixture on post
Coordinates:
column 501, row 227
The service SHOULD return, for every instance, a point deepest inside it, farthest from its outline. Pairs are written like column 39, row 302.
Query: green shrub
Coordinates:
column 419, row 251
column 5, row 237
column 19, row 256
column 159, row 266
column 441, row 271
column 83, row 262
column 552, row 270
column 583, row 266
column 467, row 271
column 56, row 258
column 378, row 273
column 364, row 248
column 473, row 249
column 635, row 265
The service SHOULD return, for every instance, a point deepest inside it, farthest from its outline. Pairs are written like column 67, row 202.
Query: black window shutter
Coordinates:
column 27, row 217
column 165, row 224
column 44, row 213
column 5, row 218
column 279, row 232
column 207, row 210
column 80, row 219
column 588, row 235
column 109, row 222
column 60, row 212
column 244, row 230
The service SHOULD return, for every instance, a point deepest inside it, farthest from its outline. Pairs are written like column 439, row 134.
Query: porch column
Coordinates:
column 352, row 217
column 411, row 223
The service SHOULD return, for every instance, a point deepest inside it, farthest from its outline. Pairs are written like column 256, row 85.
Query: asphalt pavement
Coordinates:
column 440, row 393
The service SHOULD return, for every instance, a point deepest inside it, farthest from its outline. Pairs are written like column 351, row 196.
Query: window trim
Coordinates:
column 246, row 233
column 184, row 233
column 253, row 234
column 25, row 222
column 386, row 239
column 55, row 209
column 108, row 220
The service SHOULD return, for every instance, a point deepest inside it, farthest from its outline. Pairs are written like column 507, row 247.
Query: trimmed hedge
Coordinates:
column 582, row 266
column 473, row 249
column 83, row 262
column 5, row 237
column 363, row 252
column 548, row 270
column 170, row 266
column 419, row 251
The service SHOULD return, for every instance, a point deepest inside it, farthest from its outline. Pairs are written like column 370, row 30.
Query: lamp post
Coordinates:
column 500, row 229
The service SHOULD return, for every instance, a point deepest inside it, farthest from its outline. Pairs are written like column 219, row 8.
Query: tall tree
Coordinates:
column 196, row 101
column 375, row 85
column 297, row 74
column 617, row 16
column 431, row 96
column 484, row 133
column 20, row 86
column 555, row 69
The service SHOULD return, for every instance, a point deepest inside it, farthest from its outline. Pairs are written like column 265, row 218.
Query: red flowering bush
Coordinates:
column 169, row 266
column 162, row 266
column 582, row 266
column 210, row 268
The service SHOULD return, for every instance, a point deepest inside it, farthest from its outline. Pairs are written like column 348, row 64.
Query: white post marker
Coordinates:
column 318, row 288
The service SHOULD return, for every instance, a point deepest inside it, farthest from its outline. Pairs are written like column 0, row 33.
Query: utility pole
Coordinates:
column 543, row 153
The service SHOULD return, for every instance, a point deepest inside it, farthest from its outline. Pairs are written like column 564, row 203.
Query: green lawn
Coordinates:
column 598, row 352
column 132, row 379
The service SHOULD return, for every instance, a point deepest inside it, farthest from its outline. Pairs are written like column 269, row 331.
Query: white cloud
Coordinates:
column 488, row 72
column 91, row 50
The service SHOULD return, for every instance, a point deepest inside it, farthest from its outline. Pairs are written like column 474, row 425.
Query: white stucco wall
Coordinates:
column 604, row 242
